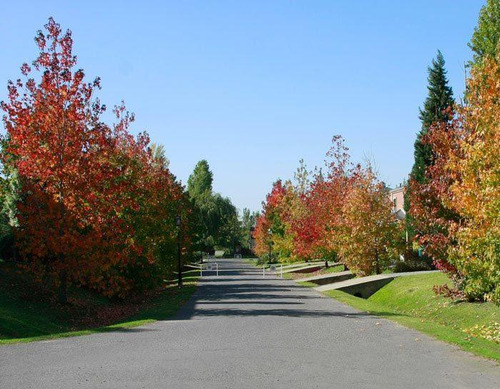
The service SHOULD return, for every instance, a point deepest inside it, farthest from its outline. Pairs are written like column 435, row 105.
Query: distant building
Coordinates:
column 397, row 197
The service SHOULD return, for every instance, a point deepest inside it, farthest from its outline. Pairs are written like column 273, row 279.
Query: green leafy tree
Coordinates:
column 486, row 35
column 302, row 178
column 248, row 221
column 200, row 181
column 227, row 225
column 158, row 155
column 217, row 218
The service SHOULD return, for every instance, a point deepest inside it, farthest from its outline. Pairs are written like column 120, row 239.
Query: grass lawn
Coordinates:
column 28, row 312
column 410, row 301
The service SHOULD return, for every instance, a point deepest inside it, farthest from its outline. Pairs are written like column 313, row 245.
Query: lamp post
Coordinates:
column 270, row 233
column 250, row 239
column 179, row 272
column 401, row 217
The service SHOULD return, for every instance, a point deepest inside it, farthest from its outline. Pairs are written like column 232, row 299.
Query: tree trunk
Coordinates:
column 63, row 287
column 377, row 265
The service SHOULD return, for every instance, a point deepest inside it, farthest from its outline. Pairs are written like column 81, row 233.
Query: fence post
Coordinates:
column 217, row 269
column 263, row 271
column 201, row 270
column 281, row 270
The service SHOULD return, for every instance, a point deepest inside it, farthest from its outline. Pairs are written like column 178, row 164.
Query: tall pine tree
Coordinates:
column 440, row 98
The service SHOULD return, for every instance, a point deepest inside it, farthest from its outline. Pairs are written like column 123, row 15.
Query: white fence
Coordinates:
column 210, row 267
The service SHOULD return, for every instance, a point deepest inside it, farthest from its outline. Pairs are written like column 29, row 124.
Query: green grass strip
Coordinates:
column 411, row 302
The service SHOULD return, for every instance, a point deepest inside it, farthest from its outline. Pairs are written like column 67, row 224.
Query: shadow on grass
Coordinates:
column 130, row 330
column 22, row 321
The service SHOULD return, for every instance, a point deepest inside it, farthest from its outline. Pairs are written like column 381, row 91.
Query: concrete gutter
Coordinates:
column 304, row 269
column 366, row 286
column 328, row 278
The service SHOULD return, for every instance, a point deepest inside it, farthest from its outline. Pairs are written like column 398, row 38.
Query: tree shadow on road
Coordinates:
column 298, row 313
column 239, row 298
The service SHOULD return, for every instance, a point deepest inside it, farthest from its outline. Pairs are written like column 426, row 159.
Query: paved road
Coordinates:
column 240, row 331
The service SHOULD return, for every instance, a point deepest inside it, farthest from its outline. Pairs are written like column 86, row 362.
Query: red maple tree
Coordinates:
column 95, row 207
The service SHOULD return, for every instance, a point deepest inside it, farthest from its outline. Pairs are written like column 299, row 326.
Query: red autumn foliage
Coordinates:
column 459, row 203
column 270, row 221
column 95, row 208
column 345, row 215
column 432, row 216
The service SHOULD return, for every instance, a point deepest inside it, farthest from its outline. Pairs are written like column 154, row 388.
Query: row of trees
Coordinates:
column 86, row 203
column 453, row 196
column 342, row 215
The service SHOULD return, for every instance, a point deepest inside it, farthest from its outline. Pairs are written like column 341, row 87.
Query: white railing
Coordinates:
column 211, row 266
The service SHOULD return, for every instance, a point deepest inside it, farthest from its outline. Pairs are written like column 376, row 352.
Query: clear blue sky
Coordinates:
column 253, row 86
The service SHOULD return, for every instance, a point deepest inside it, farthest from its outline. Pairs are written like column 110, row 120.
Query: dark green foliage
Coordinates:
column 6, row 238
column 439, row 99
column 486, row 35
column 413, row 265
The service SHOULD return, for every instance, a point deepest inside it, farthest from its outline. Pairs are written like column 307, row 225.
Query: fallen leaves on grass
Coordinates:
column 489, row 332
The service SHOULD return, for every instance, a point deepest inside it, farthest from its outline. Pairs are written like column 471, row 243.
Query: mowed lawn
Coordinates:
column 410, row 301
column 29, row 312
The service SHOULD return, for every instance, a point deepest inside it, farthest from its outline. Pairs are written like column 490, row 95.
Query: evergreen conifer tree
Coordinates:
column 439, row 98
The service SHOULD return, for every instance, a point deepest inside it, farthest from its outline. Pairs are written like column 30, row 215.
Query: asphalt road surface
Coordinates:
column 242, row 331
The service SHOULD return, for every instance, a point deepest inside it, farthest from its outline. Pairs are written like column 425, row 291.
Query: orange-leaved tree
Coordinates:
column 328, row 193
column 95, row 208
column 475, row 189
column 466, row 179
column 272, row 232
column 369, row 237
column 59, row 147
